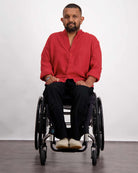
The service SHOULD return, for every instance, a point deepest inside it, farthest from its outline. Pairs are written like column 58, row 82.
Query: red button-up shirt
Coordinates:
column 78, row 61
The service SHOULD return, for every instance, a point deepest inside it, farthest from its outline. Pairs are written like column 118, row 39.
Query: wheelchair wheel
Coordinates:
column 96, row 128
column 94, row 157
column 43, row 156
column 37, row 123
column 101, row 120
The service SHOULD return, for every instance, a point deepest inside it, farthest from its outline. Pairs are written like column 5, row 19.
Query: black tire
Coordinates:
column 94, row 157
column 43, row 156
column 100, row 112
column 96, row 126
column 37, row 124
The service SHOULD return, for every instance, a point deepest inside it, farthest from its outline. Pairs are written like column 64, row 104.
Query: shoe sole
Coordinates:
column 75, row 147
column 62, row 147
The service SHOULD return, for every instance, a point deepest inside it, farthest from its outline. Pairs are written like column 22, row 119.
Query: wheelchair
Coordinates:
column 44, row 129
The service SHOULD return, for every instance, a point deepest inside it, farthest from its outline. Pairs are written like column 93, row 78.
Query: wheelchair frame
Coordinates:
column 44, row 130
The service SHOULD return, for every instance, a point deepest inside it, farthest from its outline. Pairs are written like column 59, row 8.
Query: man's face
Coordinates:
column 72, row 19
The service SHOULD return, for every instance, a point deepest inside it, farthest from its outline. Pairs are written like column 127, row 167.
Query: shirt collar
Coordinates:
column 78, row 33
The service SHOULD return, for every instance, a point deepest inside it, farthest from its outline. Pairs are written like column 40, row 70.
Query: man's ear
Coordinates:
column 61, row 19
column 82, row 19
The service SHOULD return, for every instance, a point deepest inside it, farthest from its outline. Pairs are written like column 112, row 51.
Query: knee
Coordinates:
column 49, row 89
column 82, row 92
column 54, row 87
column 54, row 91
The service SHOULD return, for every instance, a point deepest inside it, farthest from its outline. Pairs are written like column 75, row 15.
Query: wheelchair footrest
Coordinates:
column 68, row 149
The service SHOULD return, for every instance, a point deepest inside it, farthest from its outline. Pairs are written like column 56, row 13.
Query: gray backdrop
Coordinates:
column 24, row 28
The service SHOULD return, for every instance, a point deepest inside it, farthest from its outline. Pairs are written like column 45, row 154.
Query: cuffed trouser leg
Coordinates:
column 79, row 110
column 54, row 95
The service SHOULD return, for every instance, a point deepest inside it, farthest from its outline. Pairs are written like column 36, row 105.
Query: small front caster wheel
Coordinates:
column 94, row 157
column 42, row 156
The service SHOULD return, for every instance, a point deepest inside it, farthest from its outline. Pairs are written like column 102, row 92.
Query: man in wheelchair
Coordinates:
column 70, row 65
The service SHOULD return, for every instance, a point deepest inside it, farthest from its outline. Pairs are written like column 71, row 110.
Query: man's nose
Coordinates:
column 71, row 19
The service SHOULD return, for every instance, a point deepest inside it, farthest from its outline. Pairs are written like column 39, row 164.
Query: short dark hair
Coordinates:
column 73, row 6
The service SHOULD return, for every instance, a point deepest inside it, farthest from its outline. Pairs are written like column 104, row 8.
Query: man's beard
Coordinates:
column 72, row 29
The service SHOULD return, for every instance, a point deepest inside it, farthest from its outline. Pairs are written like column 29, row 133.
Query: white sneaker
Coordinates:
column 75, row 144
column 63, row 143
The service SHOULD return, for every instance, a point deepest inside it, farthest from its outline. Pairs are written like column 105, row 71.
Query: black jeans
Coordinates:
column 55, row 95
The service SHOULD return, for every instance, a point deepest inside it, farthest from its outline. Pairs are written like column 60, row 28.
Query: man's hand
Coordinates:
column 50, row 79
column 89, row 82
column 81, row 82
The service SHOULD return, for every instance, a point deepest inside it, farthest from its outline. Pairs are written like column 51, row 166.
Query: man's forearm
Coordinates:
column 90, row 81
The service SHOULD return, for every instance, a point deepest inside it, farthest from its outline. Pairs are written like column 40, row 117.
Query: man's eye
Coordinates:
column 66, row 17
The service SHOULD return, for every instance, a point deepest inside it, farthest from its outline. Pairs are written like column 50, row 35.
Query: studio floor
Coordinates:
column 21, row 157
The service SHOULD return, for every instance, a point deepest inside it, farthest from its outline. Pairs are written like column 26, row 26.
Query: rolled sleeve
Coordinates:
column 96, row 61
column 46, row 67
